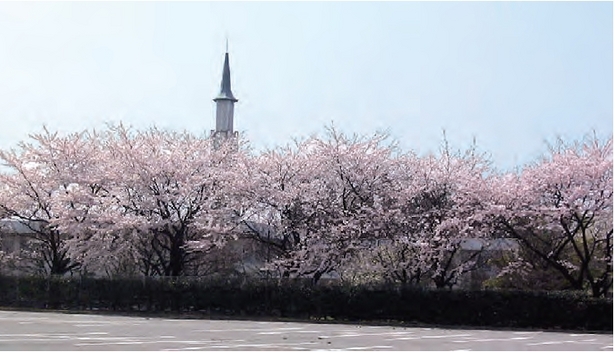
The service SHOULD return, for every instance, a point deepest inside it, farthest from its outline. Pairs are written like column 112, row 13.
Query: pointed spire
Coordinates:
column 225, row 86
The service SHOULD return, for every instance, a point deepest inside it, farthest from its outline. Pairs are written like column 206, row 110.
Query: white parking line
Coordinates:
column 366, row 348
column 360, row 334
column 265, row 345
column 444, row 336
column 494, row 339
column 403, row 338
column 546, row 343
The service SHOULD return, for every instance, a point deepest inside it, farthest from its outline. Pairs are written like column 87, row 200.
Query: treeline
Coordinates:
column 157, row 203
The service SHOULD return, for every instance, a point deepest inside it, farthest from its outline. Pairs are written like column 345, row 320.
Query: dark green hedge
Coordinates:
column 295, row 299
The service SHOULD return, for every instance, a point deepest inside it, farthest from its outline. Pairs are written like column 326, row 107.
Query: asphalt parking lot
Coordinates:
column 59, row 331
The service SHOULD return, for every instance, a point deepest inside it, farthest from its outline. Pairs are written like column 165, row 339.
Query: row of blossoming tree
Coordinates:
column 162, row 203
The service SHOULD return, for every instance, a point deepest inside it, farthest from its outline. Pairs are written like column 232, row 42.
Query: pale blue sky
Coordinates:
column 511, row 74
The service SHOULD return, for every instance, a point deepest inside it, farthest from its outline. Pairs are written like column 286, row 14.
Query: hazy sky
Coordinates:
column 510, row 74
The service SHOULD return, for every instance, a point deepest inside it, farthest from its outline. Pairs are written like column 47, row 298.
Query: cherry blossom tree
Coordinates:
column 450, row 209
column 317, row 196
column 439, row 210
column 163, row 200
column 358, row 183
column 284, row 199
column 560, row 209
column 38, row 172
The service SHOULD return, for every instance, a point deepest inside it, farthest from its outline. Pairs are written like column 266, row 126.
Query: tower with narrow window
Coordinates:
column 225, row 104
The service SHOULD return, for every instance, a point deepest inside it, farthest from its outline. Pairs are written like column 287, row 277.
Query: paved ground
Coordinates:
column 57, row 331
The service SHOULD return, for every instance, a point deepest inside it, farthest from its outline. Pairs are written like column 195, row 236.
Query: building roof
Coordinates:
column 495, row 244
column 19, row 226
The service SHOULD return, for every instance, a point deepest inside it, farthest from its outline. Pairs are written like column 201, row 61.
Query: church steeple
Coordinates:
column 225, row 102
column 225, row 86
